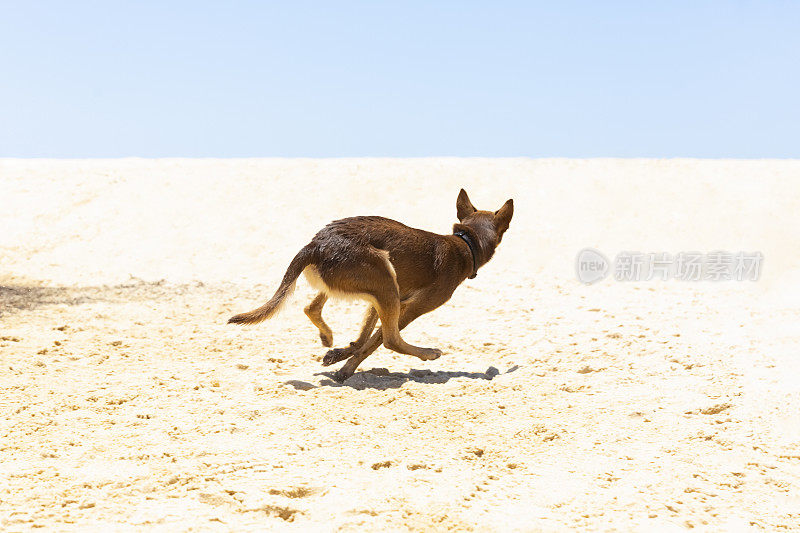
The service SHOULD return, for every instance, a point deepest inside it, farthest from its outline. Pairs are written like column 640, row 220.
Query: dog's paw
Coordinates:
column 340, row 376
column 327, row 339
column 429, row 354
column 336, row 355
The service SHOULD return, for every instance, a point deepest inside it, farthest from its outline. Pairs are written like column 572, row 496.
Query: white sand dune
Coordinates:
column 128, row 401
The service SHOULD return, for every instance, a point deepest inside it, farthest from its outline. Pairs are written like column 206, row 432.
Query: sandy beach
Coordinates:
column 129, row 404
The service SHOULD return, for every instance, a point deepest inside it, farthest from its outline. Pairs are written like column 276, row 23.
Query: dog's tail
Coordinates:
column 268, row 310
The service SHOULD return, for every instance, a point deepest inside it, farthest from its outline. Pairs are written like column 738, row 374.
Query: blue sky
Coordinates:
column 326, row 79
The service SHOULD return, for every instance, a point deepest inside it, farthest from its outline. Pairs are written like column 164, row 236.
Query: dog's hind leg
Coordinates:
column 377, row 283
column 340, row 354
column 409, row 313
column 314, row 313
column 389, row 312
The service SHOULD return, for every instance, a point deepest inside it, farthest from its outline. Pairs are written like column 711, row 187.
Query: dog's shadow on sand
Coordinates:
column 382, row 379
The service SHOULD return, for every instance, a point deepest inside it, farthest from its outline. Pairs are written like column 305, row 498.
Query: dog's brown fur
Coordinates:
column 402, row 272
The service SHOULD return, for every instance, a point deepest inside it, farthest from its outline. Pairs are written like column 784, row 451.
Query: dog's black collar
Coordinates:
column 467, row 239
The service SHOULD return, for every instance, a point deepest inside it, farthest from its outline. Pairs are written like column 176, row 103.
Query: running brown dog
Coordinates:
column 401, row 272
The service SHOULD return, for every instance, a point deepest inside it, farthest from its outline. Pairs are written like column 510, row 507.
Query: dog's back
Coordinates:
column 411, row 255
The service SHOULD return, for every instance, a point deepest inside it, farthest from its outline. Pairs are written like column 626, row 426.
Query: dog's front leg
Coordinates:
column 340, row 354
column 352, row 363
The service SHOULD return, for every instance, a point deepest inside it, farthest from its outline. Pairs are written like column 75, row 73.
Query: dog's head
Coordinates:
column 488, row 225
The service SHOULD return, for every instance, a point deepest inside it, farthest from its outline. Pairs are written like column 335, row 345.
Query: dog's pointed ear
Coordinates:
column 502, row 216
column 464, row 207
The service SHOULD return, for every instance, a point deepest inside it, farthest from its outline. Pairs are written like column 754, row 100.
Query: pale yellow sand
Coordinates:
column 128, row 403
